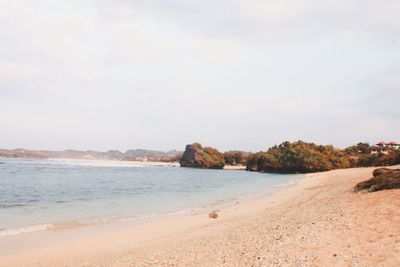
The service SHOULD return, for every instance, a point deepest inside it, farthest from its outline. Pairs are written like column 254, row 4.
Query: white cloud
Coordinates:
column 125, row 71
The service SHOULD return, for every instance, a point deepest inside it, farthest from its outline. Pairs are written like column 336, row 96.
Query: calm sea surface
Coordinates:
column 38, row 194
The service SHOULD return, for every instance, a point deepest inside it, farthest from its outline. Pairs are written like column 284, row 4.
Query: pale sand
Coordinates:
column 238, row 167
column 317, row 222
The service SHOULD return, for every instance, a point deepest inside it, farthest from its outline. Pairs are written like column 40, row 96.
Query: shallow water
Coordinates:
column 38, row 194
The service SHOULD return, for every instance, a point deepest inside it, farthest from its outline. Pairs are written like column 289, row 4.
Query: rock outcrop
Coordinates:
column 380, row 171
column 195, row 156
column 383, row 179
column 298, row 157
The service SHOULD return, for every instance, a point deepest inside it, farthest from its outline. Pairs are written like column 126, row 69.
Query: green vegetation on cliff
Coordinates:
column 298, row 157
column 302, row 157
column 196, row 156
column 379, row 159
column 360, row 149
column 235, row 158
column 361, row 153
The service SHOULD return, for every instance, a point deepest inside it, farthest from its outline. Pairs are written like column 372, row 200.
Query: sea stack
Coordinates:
column 195, row 156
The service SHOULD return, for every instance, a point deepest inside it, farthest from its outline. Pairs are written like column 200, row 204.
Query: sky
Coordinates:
column 238, row 74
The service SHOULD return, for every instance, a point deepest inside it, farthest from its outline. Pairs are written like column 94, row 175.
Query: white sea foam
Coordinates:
column 95, row 163
column 292, row 182
column 23, row 230
column 83, row 162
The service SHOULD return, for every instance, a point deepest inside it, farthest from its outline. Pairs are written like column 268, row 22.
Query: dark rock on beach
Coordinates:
column 213, row 215
column 195, row 156
column 383, row 179
column 380, row 171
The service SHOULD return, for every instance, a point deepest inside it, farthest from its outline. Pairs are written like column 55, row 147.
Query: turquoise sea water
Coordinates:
column 38, row 194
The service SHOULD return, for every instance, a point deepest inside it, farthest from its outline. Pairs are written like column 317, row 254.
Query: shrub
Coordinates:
column 359, row 149
column 380, row 159
column 236, row 157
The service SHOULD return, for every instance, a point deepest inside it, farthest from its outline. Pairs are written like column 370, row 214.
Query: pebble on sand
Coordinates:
column 213, row 215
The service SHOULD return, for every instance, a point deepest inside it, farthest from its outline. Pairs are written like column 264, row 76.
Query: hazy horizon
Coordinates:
column 235, row 75
column 179, row 149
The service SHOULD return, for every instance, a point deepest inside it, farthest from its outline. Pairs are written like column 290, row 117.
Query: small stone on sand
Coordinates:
column 213, row 215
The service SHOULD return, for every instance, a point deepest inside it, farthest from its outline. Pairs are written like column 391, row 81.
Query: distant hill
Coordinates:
column 141, row 153
column 132, row 155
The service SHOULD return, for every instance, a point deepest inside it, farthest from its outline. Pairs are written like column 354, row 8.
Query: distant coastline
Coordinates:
column 114, row 162
column 132, row 155
column 287, row 157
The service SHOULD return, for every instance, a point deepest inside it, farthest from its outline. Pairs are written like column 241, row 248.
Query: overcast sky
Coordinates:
column 238, row 74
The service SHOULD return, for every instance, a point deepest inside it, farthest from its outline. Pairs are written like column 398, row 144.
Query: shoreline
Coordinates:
column 303, row 223
column 193, row 218
column 119, row 163
column 205, row 208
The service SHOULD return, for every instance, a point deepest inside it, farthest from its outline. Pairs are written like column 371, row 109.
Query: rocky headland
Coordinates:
column 303, row 157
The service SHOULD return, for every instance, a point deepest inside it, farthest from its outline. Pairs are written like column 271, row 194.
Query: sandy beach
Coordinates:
column 238, row 167
column 316, row 222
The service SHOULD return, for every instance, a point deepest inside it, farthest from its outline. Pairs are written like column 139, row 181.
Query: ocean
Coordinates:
column 41, row 194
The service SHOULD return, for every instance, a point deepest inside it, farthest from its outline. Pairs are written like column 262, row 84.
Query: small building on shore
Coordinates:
column 385, row 147
column 394, row 145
